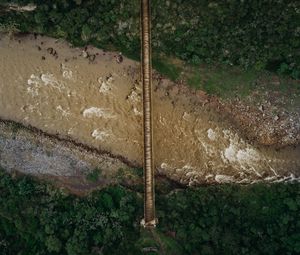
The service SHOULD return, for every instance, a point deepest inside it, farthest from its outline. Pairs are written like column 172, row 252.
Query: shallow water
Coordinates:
column 99, row 104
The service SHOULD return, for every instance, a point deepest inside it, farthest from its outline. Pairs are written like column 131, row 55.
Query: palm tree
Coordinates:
column 149, row 200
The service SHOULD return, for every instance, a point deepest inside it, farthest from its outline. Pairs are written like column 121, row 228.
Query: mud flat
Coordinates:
column 93, row 97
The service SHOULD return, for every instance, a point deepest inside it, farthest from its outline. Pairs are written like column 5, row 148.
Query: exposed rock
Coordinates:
column 92, row 57
column 119, row 58
column 85, row 54
column 18, row 8
column 38, row 154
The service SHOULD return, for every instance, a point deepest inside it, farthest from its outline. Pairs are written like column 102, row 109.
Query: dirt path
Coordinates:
column 96, row 100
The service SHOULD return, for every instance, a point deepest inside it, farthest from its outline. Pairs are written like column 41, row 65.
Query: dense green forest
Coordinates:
column 259, row 34
column 36, row 218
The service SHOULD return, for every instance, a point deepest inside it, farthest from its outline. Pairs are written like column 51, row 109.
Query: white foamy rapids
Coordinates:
column 211, row 134
column 220, row 178
column 290, row 178
column 67, row 73
column 97, row 112
column 49, row 80
column 209, row 148
column 46, row 79
column 33, row 80
column 100, row 135
column 134, row 97
column 239, row 152
column 105, row 84
column 33, row 91
column 64, row 113
column 234, row 154
column 186, row 116
column 188, row 174
column 137, row 112
column 34, row 83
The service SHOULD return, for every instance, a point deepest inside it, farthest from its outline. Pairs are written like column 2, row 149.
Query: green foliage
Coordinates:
column 224, row 81
column 252, row 34
column 195, row 80
column 38, row 219
column 53, row 244
column 229, row 219
column 86, row 33
column 146, row 240
column 138, row 172
column 10, row 28
column 94, row 175
column 165, row 67
column 129, row 173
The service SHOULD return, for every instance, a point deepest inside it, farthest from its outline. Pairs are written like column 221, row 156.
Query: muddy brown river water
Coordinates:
column 98, row 103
